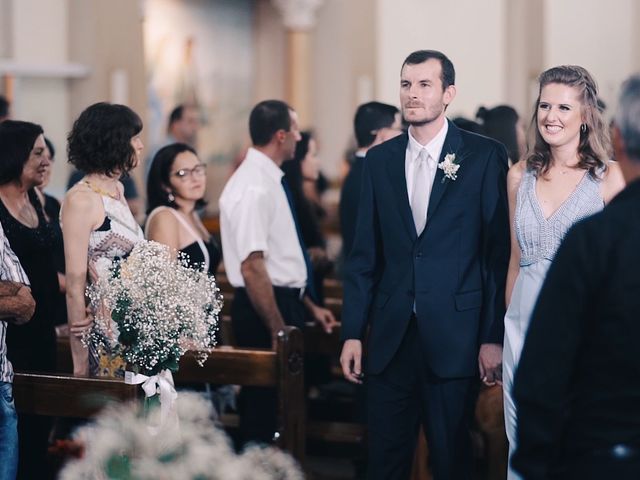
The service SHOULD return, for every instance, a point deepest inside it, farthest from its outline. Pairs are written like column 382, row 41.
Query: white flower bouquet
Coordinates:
column 117, row 446
column 155, row 306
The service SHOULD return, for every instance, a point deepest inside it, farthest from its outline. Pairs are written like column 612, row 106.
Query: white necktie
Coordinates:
column 421, row 191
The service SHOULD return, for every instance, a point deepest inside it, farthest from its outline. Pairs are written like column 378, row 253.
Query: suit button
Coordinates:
column 419, row 254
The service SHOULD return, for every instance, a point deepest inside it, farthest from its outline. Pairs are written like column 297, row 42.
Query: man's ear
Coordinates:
column 449, row 94
column 280, row 136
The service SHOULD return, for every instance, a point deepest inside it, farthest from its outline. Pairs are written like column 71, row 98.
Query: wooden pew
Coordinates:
column 59, row 395
column 282, row 369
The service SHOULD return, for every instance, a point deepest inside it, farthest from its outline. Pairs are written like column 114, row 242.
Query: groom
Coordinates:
column 426, row 277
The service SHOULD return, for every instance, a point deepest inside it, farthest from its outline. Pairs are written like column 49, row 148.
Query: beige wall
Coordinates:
column 269, row 44
column 524, row 53
column 342, row 49
column 102, row 34
column 107, row 36
column 601, row 38
column 39, row 38
column 6, row 28
column 343, row 67
column 474, row 40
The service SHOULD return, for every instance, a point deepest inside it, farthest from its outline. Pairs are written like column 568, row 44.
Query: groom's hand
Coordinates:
column 351, row 361
column 490, row 363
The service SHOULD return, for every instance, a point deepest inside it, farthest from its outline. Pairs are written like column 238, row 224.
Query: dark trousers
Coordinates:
column 257, row 406
column 405, row 394
column 34, row 430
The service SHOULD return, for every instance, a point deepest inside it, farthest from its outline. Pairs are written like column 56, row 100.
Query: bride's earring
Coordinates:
column 170, row 197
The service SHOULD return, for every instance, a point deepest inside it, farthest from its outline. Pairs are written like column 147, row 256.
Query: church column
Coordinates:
column 298, row 17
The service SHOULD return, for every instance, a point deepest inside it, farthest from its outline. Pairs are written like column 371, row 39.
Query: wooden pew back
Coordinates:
column 281, row 369
column 68, row 396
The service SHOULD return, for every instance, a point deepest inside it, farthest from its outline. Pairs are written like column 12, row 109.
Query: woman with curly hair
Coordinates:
column 566, row 175
column 96, row 221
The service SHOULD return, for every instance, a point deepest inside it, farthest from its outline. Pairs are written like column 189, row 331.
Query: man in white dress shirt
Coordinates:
column 264, row 256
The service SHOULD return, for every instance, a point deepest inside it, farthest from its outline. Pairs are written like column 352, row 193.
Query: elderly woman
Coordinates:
column 96, row 221
column 32, row 346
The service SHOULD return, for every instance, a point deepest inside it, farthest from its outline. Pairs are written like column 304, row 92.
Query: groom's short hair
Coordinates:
column 448, row 75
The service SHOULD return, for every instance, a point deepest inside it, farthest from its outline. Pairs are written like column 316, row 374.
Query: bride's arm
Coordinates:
column 79, row 214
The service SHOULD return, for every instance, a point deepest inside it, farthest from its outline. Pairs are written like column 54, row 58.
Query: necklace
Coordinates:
column 27, row 215
column 115, row 196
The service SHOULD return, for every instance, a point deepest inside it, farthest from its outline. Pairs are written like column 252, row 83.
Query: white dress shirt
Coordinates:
column 433, row 148
column 255, row 217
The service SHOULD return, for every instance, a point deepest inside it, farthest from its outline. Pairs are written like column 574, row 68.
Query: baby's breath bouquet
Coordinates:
column 156, row 308
column 117, row 446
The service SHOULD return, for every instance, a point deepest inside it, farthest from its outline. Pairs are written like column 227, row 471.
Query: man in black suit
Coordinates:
column 374, row 123
column 426, row 274
column 578, row 383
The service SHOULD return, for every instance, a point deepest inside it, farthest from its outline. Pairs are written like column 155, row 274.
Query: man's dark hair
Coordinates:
column 448, row 75
column 4, row 107
column 16, row 142
column 176, row 115
column 100, row 140
column 370, row 117
column 266, row 119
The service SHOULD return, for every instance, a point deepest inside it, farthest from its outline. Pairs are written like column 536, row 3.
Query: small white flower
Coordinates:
column 449, row 167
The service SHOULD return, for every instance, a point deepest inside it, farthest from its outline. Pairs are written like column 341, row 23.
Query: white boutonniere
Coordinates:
column 449, row 166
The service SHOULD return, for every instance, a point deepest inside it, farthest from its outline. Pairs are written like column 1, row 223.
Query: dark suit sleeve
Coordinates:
column 542, row 382
column 495, row 246
column 348, row 206
column 362, row 265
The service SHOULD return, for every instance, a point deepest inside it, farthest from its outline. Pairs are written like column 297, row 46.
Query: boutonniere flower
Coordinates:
column 449, row 166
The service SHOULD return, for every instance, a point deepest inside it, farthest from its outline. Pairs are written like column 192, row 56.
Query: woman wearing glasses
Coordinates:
column 175, row 190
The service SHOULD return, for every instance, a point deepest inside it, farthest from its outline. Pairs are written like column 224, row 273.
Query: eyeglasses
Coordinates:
column 198, row 171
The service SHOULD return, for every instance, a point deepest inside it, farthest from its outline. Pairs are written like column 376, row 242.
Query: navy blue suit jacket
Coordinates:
column 455, row 271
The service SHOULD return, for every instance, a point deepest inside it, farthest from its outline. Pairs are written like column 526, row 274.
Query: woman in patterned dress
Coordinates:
column 96, row 221
column 565, row 176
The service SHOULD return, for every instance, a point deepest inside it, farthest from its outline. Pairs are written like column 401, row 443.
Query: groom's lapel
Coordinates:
column 452, row 144
column 395, row 168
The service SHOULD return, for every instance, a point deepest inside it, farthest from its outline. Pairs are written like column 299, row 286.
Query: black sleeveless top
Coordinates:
column 196, row 257
column 32, row 346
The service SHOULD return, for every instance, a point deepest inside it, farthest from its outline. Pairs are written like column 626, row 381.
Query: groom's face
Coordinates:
column 422, row 96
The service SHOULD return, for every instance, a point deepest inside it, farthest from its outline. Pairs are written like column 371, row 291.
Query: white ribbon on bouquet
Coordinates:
column 160, row 383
